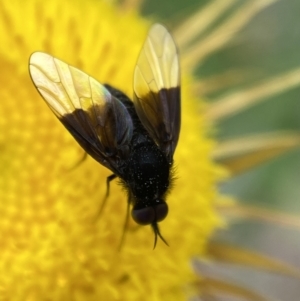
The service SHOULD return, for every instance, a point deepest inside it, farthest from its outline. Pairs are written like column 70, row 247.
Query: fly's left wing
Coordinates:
column 157, row 89
column 98, row 121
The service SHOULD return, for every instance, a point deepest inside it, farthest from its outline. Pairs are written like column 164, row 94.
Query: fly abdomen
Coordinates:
column 148, row 174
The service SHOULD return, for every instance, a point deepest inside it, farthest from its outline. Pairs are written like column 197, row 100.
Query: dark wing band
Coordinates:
column 98, row 121
column 157, row 89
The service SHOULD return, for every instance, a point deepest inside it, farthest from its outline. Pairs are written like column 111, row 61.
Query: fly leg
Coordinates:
column 125, row 225
column 80, row 161
column 108, row 180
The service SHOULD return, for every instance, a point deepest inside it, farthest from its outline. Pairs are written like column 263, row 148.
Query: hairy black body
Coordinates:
column 146, row 171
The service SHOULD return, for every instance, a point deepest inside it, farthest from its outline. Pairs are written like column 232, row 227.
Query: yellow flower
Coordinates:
column 51, row 246
column 49, row 238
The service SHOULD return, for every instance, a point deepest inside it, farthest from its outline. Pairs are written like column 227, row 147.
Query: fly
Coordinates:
column 136, row 139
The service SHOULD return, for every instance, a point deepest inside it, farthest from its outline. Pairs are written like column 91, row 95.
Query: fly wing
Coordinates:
column 157, row 89
column 97, row 120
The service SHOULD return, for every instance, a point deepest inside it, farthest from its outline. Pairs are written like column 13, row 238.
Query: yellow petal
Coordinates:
column 201, row 20
column 222, row 80
column 241, row 211
column 237, row 255
column 211, row 288
column 241, row 154
column 236, row 102
column 224, row 33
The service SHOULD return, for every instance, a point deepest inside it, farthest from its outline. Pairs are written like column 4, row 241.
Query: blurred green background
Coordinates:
column 267, row 46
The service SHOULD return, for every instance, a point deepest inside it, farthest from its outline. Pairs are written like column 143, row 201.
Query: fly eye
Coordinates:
column 144, row 216
column 161, row 211
column 148, row 215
